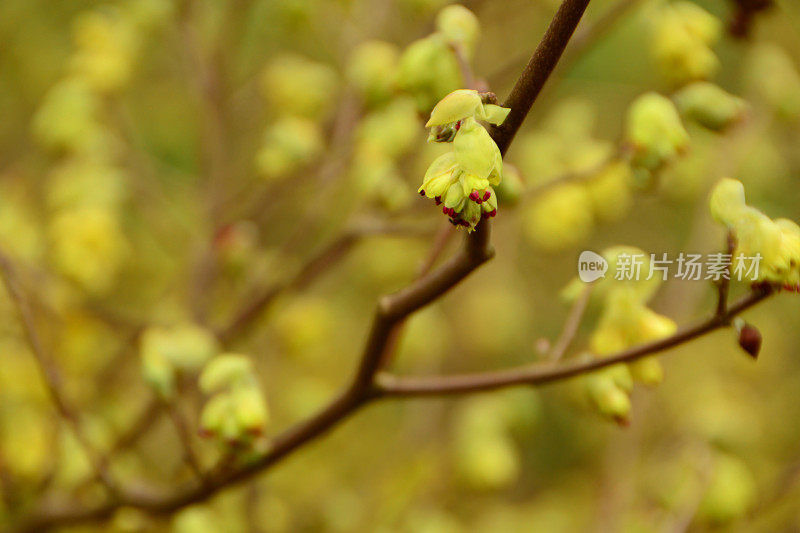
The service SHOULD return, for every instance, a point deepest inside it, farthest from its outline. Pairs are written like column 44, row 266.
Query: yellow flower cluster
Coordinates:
column 625, row 321
column 236, row 411
column 462, row 180
column 776, row 242
column 683, row 37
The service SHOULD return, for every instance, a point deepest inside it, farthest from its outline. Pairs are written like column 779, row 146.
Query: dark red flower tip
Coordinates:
column 464, row 223
column 422, row 193
column 475, row 196
column 493, row 212
column 486, row 195
column 458, row 125
column 438, row 200
column 453, row 221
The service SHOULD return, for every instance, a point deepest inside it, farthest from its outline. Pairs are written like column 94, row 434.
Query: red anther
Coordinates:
column 438, row 200
column 422, row 193
column 446, row 210
column 474, row 196
column 458, row 125
column 486, row 196
column 464, row 223
column 453, row 221
column 484, row 215
column 493, row 212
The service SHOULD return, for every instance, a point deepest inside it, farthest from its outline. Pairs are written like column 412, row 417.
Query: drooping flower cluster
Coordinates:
column 463, row 180
column 236, row 411
column 168, row 351
column 777, row 242
column 625, row 321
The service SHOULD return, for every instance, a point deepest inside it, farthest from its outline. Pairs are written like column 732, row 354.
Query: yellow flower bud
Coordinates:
column 462, row 104
column 289, row 144
column 392, row 130
column 215, row 411
column 510, row 189
column 158, row 372
column 106, row 46
column 608, row 398
column 773, row 76
column 731, row 493
column 560, row 218
column 372, row 70
column 296, row 85
column 186, row 346
column 460, row 26
column 682, row 40
column 727, row 201
column 647, row 371
column 428, row 71
column 67, row 118
column 655, row 131
column 250, row 409
column 610, row 192
column 88, row 247
column 710, row 106
column 226, row 371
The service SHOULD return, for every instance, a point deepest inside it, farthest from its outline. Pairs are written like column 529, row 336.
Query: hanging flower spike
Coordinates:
column 463, row 179
column 775, row 242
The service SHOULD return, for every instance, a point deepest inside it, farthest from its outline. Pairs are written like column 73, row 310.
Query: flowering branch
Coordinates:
column 391, row 311
column 539, row 374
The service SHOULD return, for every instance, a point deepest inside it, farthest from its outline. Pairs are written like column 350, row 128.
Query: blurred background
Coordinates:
column 180, row 179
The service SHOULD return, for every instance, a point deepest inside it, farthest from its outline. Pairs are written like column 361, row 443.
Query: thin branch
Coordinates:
column 539, row 374
column 185, row 436
column 51, row 374
column 538, row 70
column 572, row 324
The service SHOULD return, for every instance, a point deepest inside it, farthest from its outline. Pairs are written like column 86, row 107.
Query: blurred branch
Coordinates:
column 185, row 436
column 539, row 374
column 51, row 374
column 313, row 268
